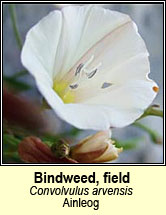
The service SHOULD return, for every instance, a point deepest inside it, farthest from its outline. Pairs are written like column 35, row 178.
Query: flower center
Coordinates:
column 67, row 90
column 82, row 73
column 60, row 88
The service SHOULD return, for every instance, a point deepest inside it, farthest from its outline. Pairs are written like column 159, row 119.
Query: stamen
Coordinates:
column 91, row 74
column 89, row 61
column 78, row 70
column 93, row 71
column 74, row 86
column 82, row 72
column 105, row 85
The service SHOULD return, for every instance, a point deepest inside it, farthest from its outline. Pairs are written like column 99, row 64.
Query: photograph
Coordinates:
column 82, row 83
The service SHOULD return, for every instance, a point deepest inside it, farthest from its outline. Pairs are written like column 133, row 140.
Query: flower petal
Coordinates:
column 110, row 154
column 116, row 78
column 116, row 48
column 119, row 113
column 82, row 28
column 39, row 50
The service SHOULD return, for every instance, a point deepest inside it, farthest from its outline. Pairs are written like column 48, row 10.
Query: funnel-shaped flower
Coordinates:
column 91, row 66
column 97, row 148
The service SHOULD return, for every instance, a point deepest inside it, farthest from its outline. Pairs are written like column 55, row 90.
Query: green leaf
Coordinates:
column 128, row 144
column 11, row 157
column 16, row 84
column 11, row 141
column 49, row 139
column 20, row 74
column 74, row 132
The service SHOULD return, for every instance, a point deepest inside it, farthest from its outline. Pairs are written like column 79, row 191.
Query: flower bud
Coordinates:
column 95, row 149
column 33, row 150
column 61, row 148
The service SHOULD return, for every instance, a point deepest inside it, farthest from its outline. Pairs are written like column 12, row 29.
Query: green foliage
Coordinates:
column 74, row 132
column 16, row 84
column 11, row 157
column 128, row 144
column 10, row 141
column 10, row 149
column 20, row 74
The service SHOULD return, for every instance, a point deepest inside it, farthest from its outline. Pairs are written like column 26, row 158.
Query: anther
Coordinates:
column 83, row 72
column 91, row 74
column 78, row 70
column 105, row 85
column 73, row 86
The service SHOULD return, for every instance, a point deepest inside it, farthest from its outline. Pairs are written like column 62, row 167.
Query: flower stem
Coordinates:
column 152, row 111
column 154, row 136
column 14, row 23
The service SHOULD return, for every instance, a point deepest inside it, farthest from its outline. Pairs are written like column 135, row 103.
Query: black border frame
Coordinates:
column 86, row 2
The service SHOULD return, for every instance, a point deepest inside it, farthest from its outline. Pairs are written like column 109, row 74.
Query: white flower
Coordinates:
column 91, row 66
column 60, row 6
